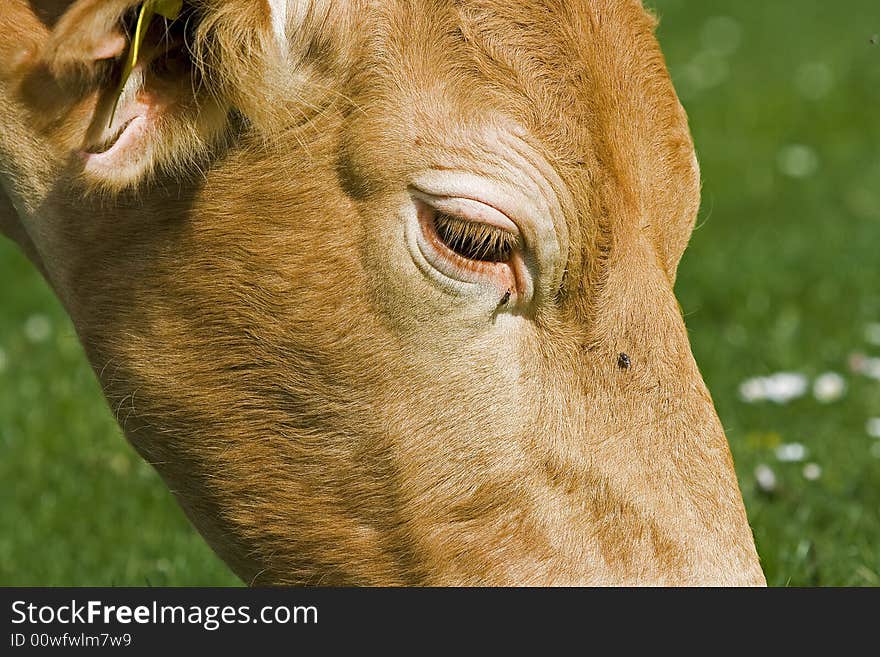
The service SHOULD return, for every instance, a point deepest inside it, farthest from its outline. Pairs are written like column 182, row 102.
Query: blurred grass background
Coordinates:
column 782, row 274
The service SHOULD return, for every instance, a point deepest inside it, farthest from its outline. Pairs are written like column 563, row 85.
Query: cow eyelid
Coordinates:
column 474, row 240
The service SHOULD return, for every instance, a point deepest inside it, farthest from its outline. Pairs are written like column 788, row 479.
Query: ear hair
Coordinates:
column 257, row 55
column 260, row 57
column 89, row 31
column 238, row 53
column 278, row 10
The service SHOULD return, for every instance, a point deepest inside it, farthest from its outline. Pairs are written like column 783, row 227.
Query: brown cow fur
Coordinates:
column 323, row 414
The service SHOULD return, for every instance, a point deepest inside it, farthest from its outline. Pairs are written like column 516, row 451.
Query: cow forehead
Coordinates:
column 545, row 61
column 555, row 64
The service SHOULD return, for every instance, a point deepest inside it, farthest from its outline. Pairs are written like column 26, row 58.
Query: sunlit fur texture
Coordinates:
column 261, row 344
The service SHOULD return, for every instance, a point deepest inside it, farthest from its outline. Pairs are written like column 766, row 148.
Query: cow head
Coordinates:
column 384, row 290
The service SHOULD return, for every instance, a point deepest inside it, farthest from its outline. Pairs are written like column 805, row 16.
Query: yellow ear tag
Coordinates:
column 169, row 9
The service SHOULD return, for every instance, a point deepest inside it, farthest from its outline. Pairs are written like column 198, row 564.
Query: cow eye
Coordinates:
column 470, row 242
column 474, row 240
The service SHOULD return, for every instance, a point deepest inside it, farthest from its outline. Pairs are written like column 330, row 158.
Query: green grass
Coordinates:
column 783, row 274
column 79, row 507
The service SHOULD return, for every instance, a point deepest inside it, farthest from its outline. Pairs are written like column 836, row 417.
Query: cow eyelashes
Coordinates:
column 475, row 241
column 469, row 242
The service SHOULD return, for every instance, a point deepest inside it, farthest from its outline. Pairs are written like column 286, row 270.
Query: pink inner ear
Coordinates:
column 110, row 47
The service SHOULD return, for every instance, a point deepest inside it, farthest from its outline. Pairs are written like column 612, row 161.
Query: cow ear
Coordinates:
column 169, row 107
column 88, row 33
column 173, row 106
column 241, row 47
column 136, row 116
column 275, row 59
